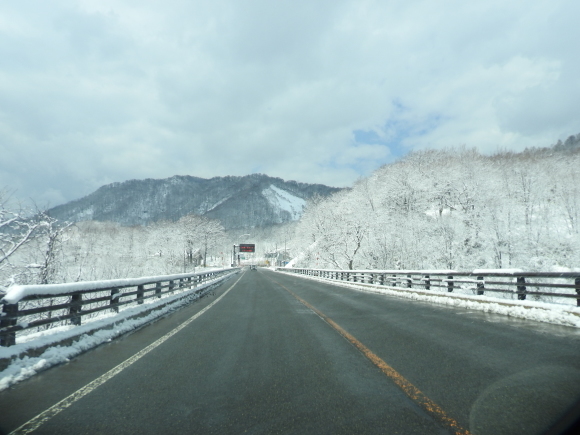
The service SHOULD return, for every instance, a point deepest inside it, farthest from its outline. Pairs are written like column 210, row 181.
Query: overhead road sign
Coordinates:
column 247, row 248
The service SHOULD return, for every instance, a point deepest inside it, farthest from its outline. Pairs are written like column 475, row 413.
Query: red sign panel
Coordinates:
column 247, row 248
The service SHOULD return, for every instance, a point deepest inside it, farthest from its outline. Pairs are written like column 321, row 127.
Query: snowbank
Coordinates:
column 84, row 337
column 539, row 311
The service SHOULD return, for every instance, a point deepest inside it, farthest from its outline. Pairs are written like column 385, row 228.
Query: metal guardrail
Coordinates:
column 37, row 306
column 523, row 284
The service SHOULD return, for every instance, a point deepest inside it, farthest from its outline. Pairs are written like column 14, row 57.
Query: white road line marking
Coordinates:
column 43, row 417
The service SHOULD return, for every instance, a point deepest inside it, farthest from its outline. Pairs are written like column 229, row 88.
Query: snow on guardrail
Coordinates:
column 467, row 289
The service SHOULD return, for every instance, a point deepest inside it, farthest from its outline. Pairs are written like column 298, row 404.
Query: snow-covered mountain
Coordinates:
column 238, row 202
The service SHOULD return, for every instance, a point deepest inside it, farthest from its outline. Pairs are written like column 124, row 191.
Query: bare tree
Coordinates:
column 17, row 229
column 48, row 251
column 200, row 233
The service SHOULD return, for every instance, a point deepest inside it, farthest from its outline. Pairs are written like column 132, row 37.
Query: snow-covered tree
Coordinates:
column 452, row 209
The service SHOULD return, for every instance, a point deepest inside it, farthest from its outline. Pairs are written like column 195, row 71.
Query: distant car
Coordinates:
column 253, row 267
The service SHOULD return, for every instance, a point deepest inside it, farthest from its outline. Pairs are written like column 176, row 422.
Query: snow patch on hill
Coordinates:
column 283, row 200
column 220, row 202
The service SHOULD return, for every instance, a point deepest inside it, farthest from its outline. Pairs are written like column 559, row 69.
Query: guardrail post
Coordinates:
column 158, row 290
column 427, row 282
column 76, row 305
column 480, row 285
column 409, row 281
column 450, row 283
column 114, row 299
column 382, row 279
column 521, row 288
column 140, row 291
column 577, row 284
column 394, row 281
column 9, row 311
column 171, row 285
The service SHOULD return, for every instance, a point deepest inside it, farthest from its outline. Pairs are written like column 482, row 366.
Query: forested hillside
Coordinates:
column 453, row 209
column 237, row 202
column 450, row 209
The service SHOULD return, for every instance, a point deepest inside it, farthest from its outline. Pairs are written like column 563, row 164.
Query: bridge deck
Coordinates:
column 260, row 360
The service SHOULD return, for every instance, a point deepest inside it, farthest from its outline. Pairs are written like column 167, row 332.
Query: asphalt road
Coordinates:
column 283, row 354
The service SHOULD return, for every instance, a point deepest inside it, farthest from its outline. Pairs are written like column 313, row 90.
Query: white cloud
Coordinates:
column 97, row 91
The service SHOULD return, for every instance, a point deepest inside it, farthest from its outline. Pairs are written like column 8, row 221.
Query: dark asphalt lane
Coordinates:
column 494, row 374
column 260, row 362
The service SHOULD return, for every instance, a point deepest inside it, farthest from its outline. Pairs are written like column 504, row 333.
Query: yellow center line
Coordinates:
column 408, row 388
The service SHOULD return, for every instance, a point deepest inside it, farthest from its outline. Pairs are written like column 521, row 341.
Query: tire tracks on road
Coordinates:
column 414, row 393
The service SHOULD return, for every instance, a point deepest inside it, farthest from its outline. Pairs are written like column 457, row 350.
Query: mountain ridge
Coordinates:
column 237, row 201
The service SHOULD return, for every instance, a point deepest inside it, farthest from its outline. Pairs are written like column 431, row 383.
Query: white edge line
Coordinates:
column 43, row 417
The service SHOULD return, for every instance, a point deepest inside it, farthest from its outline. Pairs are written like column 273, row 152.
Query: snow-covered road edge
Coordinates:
column 23, row 361
column 530, row 310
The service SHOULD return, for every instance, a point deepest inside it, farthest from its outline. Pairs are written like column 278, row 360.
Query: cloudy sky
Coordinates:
column 98, row 91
